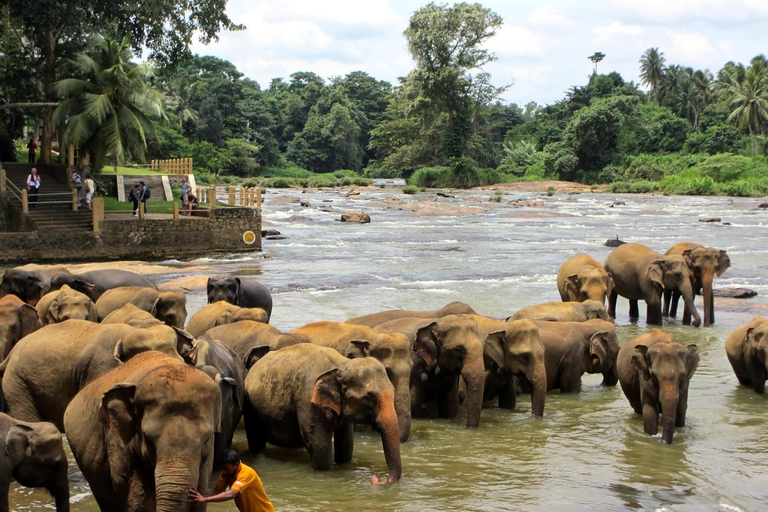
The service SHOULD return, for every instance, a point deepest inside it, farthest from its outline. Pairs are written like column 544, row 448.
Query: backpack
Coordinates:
column 148, row 194
column 76, row 179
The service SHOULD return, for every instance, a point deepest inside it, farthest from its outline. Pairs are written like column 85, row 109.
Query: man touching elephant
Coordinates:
column 244, row 484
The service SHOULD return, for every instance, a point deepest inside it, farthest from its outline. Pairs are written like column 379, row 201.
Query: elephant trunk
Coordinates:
column 669, row 402
column 473, row 374
column 537, row 375
column 707, row 277
column 60, row 492
column 173, row 482
column 403, row 406
column 686, row 290
column 386, row 421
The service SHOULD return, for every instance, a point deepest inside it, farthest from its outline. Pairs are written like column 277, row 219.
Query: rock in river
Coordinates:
column 735, row 293
column 359, row 217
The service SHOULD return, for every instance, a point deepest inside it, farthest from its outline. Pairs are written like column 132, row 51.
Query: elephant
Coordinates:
column 240, row 291
column 132, row 315
column 17, row 319
column 454, row 308
column 513, row 349
column 226, row 368
column 642, row 274
column 304, row 395
column 27, row 285
column 168, row 307
column 96, row 282
column 563, row 311
column 747, row 350
column 655, row 371
column 251, row 340
column 574, row 348
column 705, row 263
column 65, row 303
column 393, row 350
column 444, row 349
column 143, row 434
column 33, row 455
column 582, row 278
column 47, row 368
column 220, row 313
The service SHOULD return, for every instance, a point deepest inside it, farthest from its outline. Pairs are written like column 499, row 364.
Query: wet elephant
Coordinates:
column 240, row 291
column 64, row 304
column 655, row 371
column 143, row 433
column 96, row 282
column 513, row 349
column 454, row 308
column 642, row 274
column 563, row 311
column 251, row 340
column 582, row 278
column 705, row 263
column 47, row 368
column 443, row 350
column 17, row 319
column 33, row 455
column 221, row 313
column 572, row 349
column 306, row 395
column 132, row 315
column 747, row 350
column 27, row 285
column 168, row 307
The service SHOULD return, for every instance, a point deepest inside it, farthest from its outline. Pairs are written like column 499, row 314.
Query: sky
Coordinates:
column 541, row 49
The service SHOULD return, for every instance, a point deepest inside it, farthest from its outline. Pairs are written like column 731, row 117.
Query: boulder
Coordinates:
column 763, row 205
column 711, row 219
column 734, row 293
column 358, row 217
column 305, row 203
column 269, row 232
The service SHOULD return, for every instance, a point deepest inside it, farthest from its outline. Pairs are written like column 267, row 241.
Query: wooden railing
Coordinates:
column 237, row 195
column 172, row 166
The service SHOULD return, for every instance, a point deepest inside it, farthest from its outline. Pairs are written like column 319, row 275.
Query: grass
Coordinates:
column 111, row 204
column 127, row 170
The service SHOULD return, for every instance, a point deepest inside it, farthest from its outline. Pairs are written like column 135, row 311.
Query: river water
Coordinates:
column 589, row 451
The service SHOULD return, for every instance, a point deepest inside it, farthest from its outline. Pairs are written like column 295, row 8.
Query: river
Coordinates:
column 589, row 451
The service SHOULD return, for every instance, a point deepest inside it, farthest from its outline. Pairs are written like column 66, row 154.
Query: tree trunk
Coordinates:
column 753, row 141
column 49, row 76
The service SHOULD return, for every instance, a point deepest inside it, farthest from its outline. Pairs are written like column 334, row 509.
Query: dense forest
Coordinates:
column 680, row 130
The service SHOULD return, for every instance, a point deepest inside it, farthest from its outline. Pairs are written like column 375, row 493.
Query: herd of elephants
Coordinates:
column 148, row 399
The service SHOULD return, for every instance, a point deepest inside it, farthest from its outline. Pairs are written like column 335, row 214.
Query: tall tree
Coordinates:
column 595, row 58
column 652, row 69
column 745, row 91
column 108, row 109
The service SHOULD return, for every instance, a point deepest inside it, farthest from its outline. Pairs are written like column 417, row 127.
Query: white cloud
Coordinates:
column 617, row 29
column 547, row 15
column 669, row 11
column 513, row 40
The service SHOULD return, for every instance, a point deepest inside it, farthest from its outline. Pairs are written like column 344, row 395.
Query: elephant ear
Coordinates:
column 723, row 263
column 597, row 346
column 93, row 313
column 28, row 320
column 223, row 319
column 118, row 412
column 493, row 348
column 655, row 273
column 572, row 286
column 254, row 354
column 84, row 287
column 33, row 290
column 119, row 352
column 327, row 392
column 186, row 346
column 17, row 443
column 209, row 289
column 688, row 257
column 52, row 315
column 155, row 305
column 425, row 344
column 609, row 285
column 640, row 361
column 692, row 361
column 753, row 339
column 237, row 291
column 358, row 348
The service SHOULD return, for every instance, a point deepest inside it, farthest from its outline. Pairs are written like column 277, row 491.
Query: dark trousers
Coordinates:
column 31, row 158
column 135, row 205
column 32, row 196
column 144, row 203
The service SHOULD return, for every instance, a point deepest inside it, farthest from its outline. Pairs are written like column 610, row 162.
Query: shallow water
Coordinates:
column 589, row 451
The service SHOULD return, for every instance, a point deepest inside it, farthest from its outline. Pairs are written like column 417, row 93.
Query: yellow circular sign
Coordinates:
column 249, row 237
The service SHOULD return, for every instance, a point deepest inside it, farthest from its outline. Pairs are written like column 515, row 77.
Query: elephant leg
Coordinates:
column 634, row 311
column 448, row 400
column 254, row 429
column 667, row 298
column 612, row 303
column 570, row 379
column 417, row 400
column 653, row 313
column 650, row 415
column 712, row 309
column 4, row 503
column 675, row 301
column 682, row 408
column 508, row 394
column 343, row 443
column 758, row 378
column 319, row 446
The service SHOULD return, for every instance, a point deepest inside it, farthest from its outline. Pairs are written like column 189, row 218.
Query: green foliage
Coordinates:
column 206, row 157
column 410, row 189
column 431, row 177
column 551, row 190
column 518, row 158
column 496, row 197
column 655, row 130
column 239, row 158
column 633, row 187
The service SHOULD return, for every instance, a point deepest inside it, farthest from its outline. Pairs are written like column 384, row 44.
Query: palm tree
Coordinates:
column 109, row 107
column 745, row 91
column 652, row 69
column 182, row 90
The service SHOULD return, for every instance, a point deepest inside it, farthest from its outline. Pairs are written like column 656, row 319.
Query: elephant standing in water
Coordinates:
column 222, row 313
column 33, row 455
column 96, row 282
column 642, row 274
column 64, row 304
column 251, row 340
column 655, row 371
column 168, row 307
column 582, row 278
column 563, row 311
column 17, row 319
column 747, row 350
column 305, row 395
column 372, row 320
column 704, row 263
column 143, row 434
column 240, row 291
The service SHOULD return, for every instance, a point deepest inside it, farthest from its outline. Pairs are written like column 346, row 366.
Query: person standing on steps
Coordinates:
column 144, row 196
column 244, row 484
column 185, row 190
column 90, row 189
column 33, row 187
column 32, row 147
column 134, row 197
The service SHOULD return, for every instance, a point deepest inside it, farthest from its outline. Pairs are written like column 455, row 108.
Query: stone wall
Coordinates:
column 142, row 239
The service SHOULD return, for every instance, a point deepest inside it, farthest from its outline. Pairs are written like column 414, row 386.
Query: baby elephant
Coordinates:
column 33, row 455
column 654, row 371
column 65, row 303
column 222, row 313
column 747, row 348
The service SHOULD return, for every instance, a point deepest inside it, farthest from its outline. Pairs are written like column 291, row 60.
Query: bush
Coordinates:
column 356, row 181
column 496, row 197
column 344, row 173
column 636, row 187
column 410, row 189
column 280, row 182
column 323, row 180
column 464, row 172
column 290, row 171
column 687, row 185
column 431, row 177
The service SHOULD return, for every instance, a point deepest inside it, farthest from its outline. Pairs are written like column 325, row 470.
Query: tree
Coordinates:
column 109, row 108
column 652, row 69
column 745, row 91
column 595, row 58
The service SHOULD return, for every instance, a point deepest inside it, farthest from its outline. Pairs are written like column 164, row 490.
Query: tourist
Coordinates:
column 76, row 181
column 90, row 189
column 33, row 186
column 192, row 203
column 244, row 484
column 185, row 191
column 32, row 147
column 134, row 196
column 144, row 196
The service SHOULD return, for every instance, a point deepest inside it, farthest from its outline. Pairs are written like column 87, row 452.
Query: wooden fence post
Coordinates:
column 75, row 199
column 97, row 205
column 231, row 200
column 258, row 197
column 2, row 180
column 175, row 210
column 141, row 210
column 24, row 201
column 213, row 197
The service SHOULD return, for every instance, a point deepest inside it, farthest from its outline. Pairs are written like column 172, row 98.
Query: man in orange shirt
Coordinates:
column 244, row 484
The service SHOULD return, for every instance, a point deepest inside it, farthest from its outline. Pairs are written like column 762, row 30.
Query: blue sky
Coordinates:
column 542, row 48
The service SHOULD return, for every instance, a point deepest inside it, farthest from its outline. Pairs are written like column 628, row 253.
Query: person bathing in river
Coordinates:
column 244, row 484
